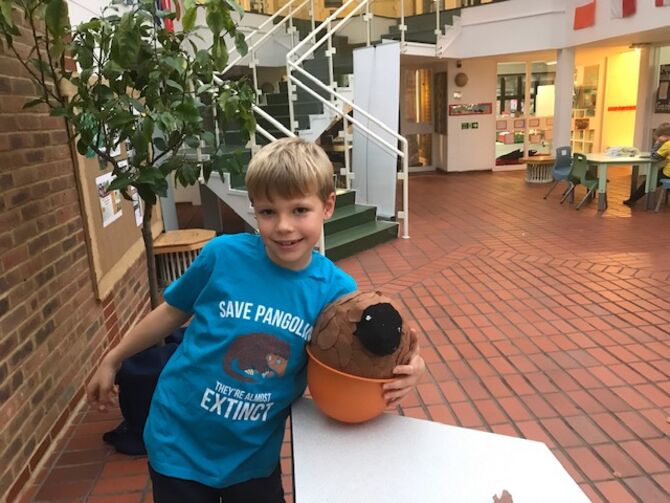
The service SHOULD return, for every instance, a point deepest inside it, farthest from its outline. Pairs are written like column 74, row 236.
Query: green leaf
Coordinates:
column 40, row 65
column 236, row 7
column 56, row 18
column 193, row 141
column 177, row 63
column 160, row 144
column 120, row 182
column 120, row 118
column 126, row 42
column 208, row 137
column 136, row 105
column 219, row 54
column 174, row 85
column 186, row 174
column 146, row 193
column 187, row 112
column 33, row 103
column 241, row 44
column 188, row 20
column 82, row 146
column 215, row 20
column 6, row 11
column 58, row 112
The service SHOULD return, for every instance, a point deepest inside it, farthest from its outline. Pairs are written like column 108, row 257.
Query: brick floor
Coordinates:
column 536, row 321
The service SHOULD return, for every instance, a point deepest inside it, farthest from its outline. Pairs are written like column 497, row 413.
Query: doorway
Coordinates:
column 416, row 113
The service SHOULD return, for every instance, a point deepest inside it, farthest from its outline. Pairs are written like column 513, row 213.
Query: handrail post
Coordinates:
column 437, row 19
column 291, row 28
column 367, row 17
column 254, row 72
column 291, row 98
column 347, row 160
column 330, row 52
column 312, row 14
column 405, row 192
column 402, row 26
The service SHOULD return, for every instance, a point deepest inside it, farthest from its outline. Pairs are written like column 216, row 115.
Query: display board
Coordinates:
column 113, row 224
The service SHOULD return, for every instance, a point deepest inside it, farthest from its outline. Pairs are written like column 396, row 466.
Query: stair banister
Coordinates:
column 256, row 44
column 376, row 137
column 272, row 121
column 293, row 66
column 402, row 27
column 347, row 102
column 404, row 153
column 325, row 25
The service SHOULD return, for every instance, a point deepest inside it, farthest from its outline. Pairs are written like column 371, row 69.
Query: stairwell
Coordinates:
column 353, row 227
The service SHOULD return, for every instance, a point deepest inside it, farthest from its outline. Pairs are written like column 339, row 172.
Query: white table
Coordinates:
column 400, row 459
column 646, row 164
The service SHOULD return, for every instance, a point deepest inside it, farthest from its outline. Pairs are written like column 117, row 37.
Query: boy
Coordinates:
column 659, row 152
column 217, row 417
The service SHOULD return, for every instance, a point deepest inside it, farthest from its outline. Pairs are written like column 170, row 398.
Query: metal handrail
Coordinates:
column 256, row 44
column 334, row 95
column 272, row 121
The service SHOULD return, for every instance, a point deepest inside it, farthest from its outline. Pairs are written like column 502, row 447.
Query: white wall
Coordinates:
column 472, row 149
column 509, row 27
column 647, row 17
column 84, row 10
column 525, row 25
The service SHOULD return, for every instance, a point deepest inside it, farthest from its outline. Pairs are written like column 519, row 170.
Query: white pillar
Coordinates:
column 565, row 71
column 646, row 95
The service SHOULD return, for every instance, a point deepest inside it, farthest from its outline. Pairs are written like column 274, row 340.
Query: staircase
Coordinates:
column 353, row 227
column 421, row 28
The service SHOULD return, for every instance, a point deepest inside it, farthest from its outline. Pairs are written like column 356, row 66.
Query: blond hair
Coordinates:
column 288, row 168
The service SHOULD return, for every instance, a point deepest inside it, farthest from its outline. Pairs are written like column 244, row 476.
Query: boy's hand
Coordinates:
column 101, row 391
column 408, row 377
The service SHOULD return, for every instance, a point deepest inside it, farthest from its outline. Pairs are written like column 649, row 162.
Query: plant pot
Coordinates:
column 344, row 397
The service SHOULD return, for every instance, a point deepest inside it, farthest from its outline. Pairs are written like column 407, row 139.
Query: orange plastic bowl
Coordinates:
column 345, row 397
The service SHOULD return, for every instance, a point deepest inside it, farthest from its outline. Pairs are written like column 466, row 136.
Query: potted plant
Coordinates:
column 129, row 76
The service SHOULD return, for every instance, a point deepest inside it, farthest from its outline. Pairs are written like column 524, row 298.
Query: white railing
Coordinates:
column 293, row 60
column 253, row 46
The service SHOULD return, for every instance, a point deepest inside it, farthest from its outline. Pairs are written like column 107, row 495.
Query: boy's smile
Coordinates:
column 290, row 228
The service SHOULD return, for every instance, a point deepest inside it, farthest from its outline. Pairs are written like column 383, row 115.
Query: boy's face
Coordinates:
column 290, row 228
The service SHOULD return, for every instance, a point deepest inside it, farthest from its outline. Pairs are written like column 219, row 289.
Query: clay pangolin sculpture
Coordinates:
column 363, row 334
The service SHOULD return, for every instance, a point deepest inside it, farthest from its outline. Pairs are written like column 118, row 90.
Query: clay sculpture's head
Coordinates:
column 363, row 334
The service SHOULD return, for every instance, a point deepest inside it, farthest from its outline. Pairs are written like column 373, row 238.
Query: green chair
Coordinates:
column 581, row 174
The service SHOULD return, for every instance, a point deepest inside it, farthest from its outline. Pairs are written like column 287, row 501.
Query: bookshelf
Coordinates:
column 585, row 127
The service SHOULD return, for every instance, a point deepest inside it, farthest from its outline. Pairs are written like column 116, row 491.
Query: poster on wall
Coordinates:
column 471, row 109
column 663, row 95
column 110, row 202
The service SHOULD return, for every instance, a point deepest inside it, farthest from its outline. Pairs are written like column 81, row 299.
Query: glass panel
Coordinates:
column 420, row 149
column 541, row 111
column 585, row 99
column 417, row 98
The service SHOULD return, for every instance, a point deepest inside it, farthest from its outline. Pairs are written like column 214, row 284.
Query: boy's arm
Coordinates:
column 407, row 377
column 153, row 328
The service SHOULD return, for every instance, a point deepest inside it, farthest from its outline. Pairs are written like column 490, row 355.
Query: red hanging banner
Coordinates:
column 585, row 16
column 623, row 8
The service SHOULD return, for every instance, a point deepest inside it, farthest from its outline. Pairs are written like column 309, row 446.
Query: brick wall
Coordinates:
column 52, row 328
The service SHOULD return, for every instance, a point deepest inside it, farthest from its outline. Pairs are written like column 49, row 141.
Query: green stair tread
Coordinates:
column 348, row 210
column 358, row 233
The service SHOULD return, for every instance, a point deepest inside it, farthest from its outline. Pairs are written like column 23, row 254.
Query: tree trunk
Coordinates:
column 149, row 250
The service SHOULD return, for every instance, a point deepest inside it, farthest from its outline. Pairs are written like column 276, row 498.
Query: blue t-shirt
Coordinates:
column 219, row 409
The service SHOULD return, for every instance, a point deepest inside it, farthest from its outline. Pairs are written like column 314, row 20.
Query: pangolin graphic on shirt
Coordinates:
column 254, row 357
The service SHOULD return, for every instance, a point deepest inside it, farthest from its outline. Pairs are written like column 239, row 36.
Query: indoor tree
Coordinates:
column 128, row 76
